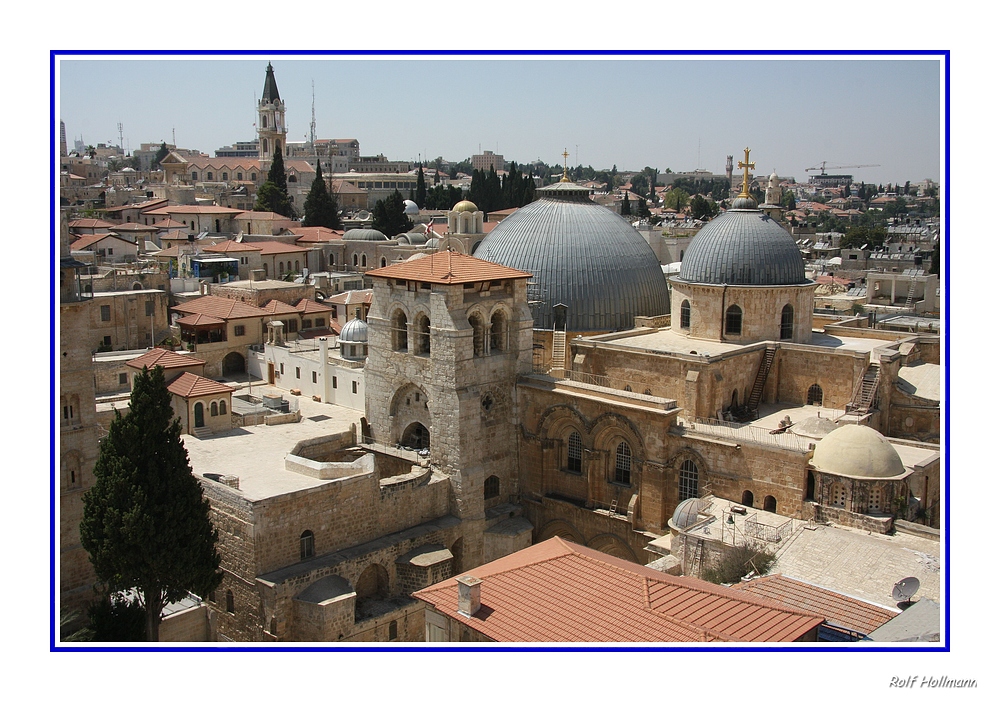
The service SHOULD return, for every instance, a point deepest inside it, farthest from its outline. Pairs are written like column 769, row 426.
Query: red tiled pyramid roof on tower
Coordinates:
column 448, row 268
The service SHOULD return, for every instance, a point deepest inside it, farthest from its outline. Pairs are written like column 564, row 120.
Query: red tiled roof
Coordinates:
column 231, row 247
column 200, row 320
column 133, row 227
column 164, row 358
column 839, row 609
column 90, row 224
column 191, row 385
column 220, row 307
column 307, row 306
column 193, row 209
column 170, row 252
column 90, row 239
column 560, row 591
column 310, row 235
column 269, row 248
column 449, row 268
column 352, row 297
column 278, row 307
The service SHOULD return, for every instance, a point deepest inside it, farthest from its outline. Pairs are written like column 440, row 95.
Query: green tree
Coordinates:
column 788, row 200
column 420, row 197
column 642, row 209
column 935, row 267
column 859, row 235
column 389, row 215
column 145, row 521
column 626, row 206
column 161, row 154
column 703, row 208
column 676, row 199
column 272, row 196
column 320, row 208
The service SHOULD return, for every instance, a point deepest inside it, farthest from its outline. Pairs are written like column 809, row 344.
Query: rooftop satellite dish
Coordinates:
column 905, row 589
column 863, row 247
column 239, row 238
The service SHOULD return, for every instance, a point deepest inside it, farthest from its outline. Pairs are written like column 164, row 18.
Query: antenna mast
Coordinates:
column 312, row 124
column 121, row 144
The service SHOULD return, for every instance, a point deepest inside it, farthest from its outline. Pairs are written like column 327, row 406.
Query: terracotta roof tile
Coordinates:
column 449, row 268
column 164, row 358
column 86, row 240
column 559, row 591
column 90, row 224
column 268, row 248
column 848, row 612
column 278, row 307
column 191, row 385
column 307, row 306
column 231, row 247
column 200, row 320
column 311, row 235
column 220, row 307
column 352, row 297
column 133, row 227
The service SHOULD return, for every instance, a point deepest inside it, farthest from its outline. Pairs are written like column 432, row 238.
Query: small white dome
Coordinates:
column 410, row 208
column 686, row 513
column 354, row 332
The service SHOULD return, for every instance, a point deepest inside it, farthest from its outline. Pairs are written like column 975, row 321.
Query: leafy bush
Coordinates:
column 740, row 560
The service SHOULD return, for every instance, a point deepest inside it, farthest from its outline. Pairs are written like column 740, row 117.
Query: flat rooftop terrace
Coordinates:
column 669, row 341
column 849, row 561
column 256, row 454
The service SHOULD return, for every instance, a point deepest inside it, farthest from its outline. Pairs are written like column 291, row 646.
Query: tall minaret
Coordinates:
column 729, row 172
column 270, row 122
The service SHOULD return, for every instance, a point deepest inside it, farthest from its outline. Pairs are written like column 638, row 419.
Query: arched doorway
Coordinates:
column 770, row 504
column 234, row 364
column 416, row 436
column 199, row 415
column 747, row 499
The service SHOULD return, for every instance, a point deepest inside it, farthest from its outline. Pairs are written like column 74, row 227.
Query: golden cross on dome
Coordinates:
column 746, row 164
column 565, row 178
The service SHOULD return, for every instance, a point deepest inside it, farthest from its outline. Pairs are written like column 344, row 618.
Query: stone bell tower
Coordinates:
column 271, row 128
column 448, row 336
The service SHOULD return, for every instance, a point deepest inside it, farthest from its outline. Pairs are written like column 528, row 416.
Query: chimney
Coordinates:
column 468, row 595
column 324, row 366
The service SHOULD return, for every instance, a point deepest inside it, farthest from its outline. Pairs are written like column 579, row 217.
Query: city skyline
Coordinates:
column 674, row 112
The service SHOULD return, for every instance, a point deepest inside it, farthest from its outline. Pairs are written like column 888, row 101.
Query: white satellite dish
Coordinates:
column 905, row 589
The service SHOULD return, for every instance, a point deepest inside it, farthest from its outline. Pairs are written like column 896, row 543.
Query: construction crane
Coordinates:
column 822, row 167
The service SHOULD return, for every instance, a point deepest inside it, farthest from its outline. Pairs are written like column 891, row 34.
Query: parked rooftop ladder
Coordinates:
column 559, row 350
column 758, row 384
column 913, row 287
column 865, row 393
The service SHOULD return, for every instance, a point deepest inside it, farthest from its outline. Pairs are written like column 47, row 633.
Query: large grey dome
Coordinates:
column 743, row 247
column 364, row 235
column 582, row 255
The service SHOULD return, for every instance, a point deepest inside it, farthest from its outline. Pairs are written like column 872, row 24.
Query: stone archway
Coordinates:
column 416, row 436
column 234, row 364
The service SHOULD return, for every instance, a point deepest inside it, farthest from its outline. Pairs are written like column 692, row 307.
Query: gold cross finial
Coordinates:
column 746, row 164
column 565, row 178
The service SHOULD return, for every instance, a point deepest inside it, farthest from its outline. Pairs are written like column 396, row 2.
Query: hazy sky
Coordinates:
column 667, row 112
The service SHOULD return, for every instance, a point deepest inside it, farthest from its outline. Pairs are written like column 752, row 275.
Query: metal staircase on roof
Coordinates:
column 559, row 350
column 866, row 393
column 758, row 384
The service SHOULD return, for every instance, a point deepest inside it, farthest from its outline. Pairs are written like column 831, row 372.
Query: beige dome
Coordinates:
column 814, row 427
column 465, row 206
column 859, row 452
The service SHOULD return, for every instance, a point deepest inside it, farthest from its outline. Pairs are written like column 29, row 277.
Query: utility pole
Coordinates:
column 312, row 124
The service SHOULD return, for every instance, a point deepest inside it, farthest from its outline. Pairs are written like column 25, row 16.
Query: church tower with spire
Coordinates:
column 271, row 128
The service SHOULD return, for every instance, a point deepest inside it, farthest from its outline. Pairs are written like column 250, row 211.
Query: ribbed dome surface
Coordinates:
column 355, row 331
column 743, row 247
column 364, row 235
column 686, row 513
column 857, row 451
column 583, row 255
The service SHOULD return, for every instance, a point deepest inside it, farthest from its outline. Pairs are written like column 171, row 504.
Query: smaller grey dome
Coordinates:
column 433, row 243
column 364, row 235
column 413, row 238
column 686, row 513
column 354, row 332
column 814, row 427
column 410, row 207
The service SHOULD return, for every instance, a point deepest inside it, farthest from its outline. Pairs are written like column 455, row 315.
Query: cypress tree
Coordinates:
column 145, row 521
column 389, row 216
column 272, row 196
column 420, row 197
column 320, row 207
column 626, row 206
